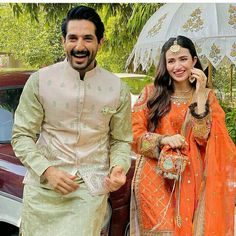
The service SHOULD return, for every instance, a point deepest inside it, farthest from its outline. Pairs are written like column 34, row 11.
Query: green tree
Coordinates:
column 123, row 23
column 34, row 43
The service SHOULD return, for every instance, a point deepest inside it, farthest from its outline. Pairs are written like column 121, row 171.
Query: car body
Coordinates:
column 12, row 171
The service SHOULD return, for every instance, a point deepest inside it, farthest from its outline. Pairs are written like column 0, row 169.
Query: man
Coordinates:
column 82, row 113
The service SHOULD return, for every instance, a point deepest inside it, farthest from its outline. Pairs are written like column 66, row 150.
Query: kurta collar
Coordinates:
column 75, row 73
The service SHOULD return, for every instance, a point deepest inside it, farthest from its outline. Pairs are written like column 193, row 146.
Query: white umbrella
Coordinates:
column 211, row 26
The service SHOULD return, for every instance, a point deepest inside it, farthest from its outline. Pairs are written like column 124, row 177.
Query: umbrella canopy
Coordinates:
column 211, row 26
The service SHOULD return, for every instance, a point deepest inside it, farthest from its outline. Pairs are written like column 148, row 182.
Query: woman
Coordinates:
column 178, row 114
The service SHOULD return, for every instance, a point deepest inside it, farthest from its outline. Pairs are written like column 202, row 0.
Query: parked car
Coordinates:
column 12, row 171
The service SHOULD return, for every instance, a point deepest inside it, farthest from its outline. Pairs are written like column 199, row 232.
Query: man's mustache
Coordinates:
column 77, row 53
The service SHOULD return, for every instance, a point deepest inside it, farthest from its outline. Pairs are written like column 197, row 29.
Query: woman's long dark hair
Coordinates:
column 159, row 104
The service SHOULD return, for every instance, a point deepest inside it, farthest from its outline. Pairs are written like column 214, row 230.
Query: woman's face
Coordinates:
column 179, row 64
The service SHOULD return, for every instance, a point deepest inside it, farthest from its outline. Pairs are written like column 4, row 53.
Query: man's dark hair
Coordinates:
column 84, row 13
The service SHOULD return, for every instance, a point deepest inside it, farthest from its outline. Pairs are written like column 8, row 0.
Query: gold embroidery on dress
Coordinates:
column 177, row 100
column 156, row 28
column 199, row 216
column 180, row 99
column 195, row 23
column 144, row 96
column 232, row 16
column 215, row 53
column 148, row 144
column 164, row 233
column 201, row 127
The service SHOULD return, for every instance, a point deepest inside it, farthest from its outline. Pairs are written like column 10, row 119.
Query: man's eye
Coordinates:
column 88, row 39
column 72, row 39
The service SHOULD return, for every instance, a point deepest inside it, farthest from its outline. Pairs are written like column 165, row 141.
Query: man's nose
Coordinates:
column 80, row 45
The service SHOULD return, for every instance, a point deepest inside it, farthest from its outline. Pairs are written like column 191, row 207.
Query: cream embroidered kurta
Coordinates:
column 84, row 125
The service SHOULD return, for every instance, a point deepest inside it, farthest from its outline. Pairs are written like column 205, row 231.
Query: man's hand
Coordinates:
column 61, row 181
column 116, row 179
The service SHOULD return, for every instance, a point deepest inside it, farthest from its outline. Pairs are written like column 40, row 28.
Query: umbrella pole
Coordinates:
column 210, row 71
column 231, row 82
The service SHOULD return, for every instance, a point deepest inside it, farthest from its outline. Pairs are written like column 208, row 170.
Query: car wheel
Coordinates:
column 8, row 229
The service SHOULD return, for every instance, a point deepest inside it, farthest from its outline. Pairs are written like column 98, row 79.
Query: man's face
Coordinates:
column 81, row 45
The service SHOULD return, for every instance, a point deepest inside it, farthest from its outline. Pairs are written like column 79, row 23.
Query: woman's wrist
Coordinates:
column 202, row 114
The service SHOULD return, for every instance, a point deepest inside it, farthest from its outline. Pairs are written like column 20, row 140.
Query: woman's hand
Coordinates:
column 200, row 89
column 175, row 141
column 201, row 80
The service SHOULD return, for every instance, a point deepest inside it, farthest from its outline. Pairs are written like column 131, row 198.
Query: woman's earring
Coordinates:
column 191, row 79
column 169, row 83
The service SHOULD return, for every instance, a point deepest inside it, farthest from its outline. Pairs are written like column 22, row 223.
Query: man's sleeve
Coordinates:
column 27, row 122
column 121, row 132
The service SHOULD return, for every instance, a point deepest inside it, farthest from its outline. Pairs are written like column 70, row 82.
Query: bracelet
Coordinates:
column 202, row 115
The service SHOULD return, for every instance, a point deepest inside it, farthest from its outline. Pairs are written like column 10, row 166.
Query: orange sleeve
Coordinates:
column 202, row 127
column 145, row 143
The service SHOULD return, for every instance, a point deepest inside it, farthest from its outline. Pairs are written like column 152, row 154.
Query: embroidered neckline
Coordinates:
column 180, row 100
column 187, row 98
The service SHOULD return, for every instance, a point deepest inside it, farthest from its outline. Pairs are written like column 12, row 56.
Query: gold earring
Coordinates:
column 191, row 79
column 175, row 48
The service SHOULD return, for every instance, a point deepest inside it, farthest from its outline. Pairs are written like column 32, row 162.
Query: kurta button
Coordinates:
column 189, row 181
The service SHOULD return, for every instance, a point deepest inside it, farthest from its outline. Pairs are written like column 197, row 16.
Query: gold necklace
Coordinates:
column 178, row 100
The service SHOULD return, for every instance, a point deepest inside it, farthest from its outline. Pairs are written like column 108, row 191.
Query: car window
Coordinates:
column 9, row 99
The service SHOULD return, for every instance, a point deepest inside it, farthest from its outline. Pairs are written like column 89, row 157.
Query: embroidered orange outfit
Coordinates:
column 207, row 193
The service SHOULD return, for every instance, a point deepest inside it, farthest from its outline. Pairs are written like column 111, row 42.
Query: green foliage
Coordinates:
column 222, row 83
column 52, row 11
column 33, row 43
column 137, row 84
column 230, row 119
column 123, row 23
column 111, row 57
